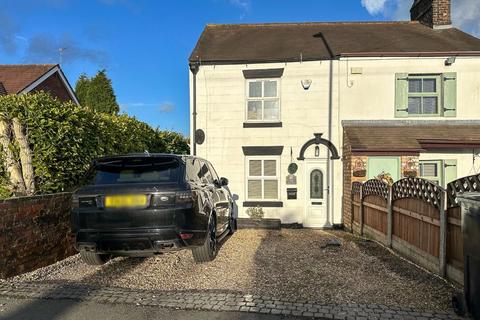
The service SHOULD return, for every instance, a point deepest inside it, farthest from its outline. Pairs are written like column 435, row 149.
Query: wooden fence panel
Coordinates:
column 417, row 223
column 455, row 237
column 375, row 211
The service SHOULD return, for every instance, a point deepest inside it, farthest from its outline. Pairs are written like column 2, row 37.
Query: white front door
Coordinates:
column 316, row 190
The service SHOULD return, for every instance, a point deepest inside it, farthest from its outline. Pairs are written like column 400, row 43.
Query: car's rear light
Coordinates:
column 75, row 203
column 186, row 236
column 160, row 200
column 184, row 197
column 87, row 202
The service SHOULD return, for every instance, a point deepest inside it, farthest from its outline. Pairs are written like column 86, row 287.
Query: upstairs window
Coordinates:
column 423, row 95
column 263, row 100
column 426, row 95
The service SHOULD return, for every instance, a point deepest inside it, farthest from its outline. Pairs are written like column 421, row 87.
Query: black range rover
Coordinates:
column 146, row 204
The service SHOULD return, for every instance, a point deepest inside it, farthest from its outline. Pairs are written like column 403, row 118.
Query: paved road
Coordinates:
column 39, row 309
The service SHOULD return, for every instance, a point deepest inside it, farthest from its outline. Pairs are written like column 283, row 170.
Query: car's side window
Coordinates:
column 212, row 171
column 206, row 174
column 193, row 170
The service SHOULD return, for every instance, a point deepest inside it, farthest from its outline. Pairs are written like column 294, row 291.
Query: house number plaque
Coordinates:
column 291, row 179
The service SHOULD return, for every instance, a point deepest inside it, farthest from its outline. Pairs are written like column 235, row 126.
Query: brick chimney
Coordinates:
column 433, row 13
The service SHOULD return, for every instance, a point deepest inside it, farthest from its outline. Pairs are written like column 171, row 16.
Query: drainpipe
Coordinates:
column 329, row 133
column 194, row 68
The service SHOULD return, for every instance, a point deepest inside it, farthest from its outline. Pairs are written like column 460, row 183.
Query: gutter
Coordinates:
column 194, row 68
column 411, row 54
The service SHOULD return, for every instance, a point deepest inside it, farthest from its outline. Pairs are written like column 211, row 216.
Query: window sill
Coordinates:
column 265, row 204
column 262, row 124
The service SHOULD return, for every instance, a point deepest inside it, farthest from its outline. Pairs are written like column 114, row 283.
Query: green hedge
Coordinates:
column 65, row 138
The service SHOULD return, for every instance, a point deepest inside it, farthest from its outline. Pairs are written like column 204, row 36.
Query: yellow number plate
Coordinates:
column 126, row 201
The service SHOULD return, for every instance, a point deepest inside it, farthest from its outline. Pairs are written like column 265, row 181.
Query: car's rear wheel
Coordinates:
column 94, row 259
column 208, row 251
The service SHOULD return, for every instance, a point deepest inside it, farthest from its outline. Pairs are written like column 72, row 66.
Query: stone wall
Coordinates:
column 34, row 232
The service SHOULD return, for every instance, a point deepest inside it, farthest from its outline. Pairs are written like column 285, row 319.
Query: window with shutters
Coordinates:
column 426, row 95
column 263, row 100
column 263, row 181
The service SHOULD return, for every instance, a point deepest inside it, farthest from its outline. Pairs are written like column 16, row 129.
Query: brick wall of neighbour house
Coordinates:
column 347, row 182
column 432, row 12
column 55, row 86
column 34, row 232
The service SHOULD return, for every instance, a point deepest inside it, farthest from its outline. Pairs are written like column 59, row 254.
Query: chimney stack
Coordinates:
column 434, row 13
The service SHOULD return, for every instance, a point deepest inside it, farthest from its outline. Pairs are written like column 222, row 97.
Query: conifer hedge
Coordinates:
column 65, row 138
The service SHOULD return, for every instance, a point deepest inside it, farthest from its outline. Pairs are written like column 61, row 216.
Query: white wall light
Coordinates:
column 306, row 83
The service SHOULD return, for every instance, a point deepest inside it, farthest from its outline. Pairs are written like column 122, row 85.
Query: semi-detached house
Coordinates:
column 293, row 113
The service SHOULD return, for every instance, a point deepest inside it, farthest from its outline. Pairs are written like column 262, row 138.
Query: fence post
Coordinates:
column 361, row 210
column 390, row 217
column 443, row 237
column 352, row 209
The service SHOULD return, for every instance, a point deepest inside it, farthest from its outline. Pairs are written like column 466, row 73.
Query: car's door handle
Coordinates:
column 317, row 203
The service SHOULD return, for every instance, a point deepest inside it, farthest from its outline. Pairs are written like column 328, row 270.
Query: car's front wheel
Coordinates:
column 208, row 251
column 94, row 259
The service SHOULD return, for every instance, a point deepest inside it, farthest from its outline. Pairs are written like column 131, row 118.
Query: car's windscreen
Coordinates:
column 148, row 170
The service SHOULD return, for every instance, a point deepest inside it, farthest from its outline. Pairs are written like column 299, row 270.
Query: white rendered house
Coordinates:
column 293, row 113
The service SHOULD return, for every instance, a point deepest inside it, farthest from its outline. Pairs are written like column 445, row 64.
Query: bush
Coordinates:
column 255, row 213
column 65, row 138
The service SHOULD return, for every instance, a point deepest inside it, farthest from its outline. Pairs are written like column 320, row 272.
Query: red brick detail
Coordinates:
column 55, row 86
column 347, row 182
column 34, row 232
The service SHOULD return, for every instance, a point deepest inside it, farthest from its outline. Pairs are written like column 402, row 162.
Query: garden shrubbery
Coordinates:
column 64, row 138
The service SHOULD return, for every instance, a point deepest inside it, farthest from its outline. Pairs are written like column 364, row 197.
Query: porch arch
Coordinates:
column 316, row 141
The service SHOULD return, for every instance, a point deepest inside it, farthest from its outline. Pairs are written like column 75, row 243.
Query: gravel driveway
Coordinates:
column 288, row 264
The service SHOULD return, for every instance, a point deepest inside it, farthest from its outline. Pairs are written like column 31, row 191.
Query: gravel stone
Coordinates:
column 267, row 266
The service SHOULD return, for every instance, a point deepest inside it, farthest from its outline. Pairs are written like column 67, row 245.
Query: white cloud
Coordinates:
column 167, row 107
column 465, row 13
column 374, row 6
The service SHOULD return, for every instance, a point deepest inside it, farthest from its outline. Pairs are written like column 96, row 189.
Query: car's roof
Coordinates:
column 145, row 155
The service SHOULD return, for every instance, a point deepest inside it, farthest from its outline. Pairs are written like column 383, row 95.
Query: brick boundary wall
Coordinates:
column 34, row 232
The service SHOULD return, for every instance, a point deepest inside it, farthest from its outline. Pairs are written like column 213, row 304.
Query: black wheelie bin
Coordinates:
column 469, row 300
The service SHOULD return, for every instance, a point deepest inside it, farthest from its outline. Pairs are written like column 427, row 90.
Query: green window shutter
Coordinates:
column 450, row 171
column 401, row 95
column 450, row 94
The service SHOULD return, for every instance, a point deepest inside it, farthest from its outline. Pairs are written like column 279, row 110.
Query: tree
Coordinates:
column 97, row 93
column 81, row 89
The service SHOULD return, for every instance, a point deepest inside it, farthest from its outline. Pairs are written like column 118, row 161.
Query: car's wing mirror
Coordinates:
column 223, row 181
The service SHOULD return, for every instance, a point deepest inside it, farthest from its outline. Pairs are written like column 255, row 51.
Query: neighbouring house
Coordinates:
column 25, row 78
column 293, row 113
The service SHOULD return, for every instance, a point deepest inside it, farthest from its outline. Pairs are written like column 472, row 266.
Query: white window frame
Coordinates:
column 440, row 171
column 262, row 99
column 438, row 94
column 262, row 177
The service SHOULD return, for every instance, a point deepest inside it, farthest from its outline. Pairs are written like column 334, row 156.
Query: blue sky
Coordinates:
column 144, row 45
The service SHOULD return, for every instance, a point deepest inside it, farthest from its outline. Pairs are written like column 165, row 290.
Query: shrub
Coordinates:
column 65, row 138
column 255, row 213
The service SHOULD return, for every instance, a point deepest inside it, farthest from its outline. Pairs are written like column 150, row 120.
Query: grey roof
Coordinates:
column 238, row 43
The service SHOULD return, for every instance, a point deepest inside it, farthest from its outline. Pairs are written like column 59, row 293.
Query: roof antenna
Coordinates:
column 60, row 51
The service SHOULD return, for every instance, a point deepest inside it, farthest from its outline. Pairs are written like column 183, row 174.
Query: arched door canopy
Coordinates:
column 316, row 141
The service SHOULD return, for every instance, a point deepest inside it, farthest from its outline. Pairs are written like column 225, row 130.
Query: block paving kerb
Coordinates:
column 214, row 301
